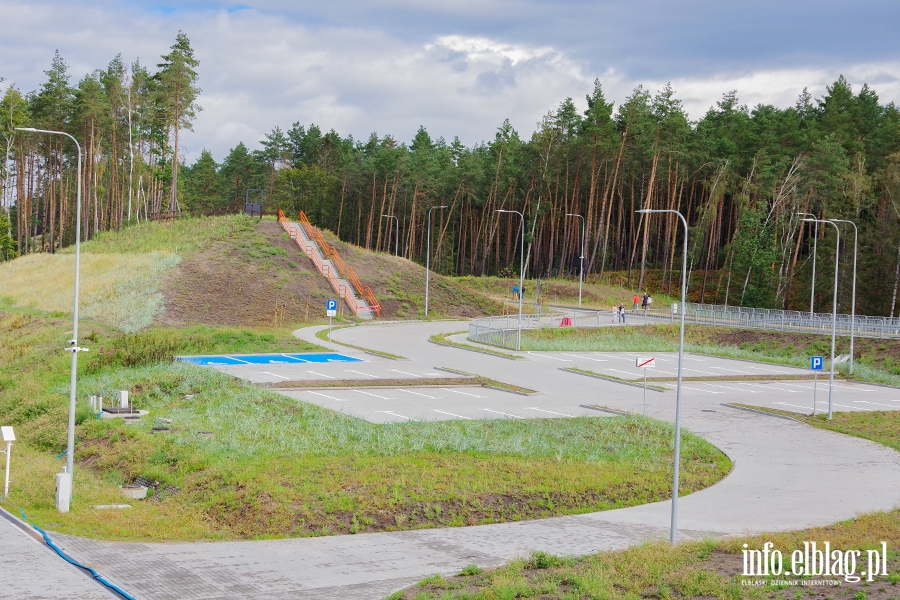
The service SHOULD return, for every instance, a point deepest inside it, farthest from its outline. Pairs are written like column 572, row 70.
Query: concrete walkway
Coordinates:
column 786, row 476
column 30, row 569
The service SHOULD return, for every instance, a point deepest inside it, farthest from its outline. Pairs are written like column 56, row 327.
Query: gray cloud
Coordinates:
column 458, row 68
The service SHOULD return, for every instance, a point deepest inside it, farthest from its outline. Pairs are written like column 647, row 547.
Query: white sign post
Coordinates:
column 645, row 362
column 816, row 363
column 331, row 311
column 9, row 437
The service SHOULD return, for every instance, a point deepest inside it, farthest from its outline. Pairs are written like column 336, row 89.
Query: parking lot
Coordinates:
column 420, row 403
column 622, row 364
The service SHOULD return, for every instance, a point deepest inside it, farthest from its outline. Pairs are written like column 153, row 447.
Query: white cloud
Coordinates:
column 262, row 69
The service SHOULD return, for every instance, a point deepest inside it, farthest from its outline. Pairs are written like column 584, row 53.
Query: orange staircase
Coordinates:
column 358, row 297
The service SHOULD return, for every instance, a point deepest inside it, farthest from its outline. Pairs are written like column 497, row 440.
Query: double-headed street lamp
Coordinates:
column 396, row 234
column 73, row 343
column 581, row 271
column 521, row 276
column 853, row 304
column 812, row 293
column 837, row 264
column 677, row 459
column 428, row 256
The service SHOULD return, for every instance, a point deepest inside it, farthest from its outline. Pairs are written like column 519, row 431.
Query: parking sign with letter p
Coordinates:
column 330, row 308
column 816, row 363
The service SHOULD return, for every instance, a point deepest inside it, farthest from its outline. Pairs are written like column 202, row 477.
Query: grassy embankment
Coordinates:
column 240, row 461
column 877, row 361
column 595, row 295
column 709, row 569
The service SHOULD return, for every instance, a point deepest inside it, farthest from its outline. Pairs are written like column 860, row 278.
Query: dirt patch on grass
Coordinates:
column 239, row 281
column 399, row 285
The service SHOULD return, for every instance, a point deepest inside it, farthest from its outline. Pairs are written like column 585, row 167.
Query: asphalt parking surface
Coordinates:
column 420, row 403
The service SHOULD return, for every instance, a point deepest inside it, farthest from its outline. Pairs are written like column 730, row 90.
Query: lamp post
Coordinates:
column 396, row 234
column 581, row 271
column 677, row 459
column 428, row 256
column 853, row 303
column 812, row 293
column 521, row 276
column 837, row 264
column 73, row 343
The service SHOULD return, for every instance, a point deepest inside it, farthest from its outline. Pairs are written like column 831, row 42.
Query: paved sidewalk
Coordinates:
column 786, row 476
column 30, row 569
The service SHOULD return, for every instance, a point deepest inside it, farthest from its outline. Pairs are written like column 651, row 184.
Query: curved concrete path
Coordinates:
column 786, row 476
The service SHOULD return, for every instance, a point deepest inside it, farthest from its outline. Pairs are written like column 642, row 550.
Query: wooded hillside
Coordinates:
column 739, row 175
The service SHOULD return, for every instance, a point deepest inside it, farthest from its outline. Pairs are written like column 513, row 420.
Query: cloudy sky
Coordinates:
column 461, row 67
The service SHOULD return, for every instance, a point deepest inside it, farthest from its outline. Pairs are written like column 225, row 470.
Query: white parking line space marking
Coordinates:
column 725, row 387
column 295, row 358
column 452, row 415
column 463, row 393
column 824, row 403
column 320, row 374
column 371, row 394
column 361, row 373
column 404, row 372
column 416, row 393
column 550, row 357
column 771, row 387
column 629, row 373
column 274, row 375
column 329, row 397
column 684, row 387
column 503, row 413
column 697, row 371
column 393, row 414
column 239, row 360
column 546, row 411
column 855, row 389
column 735, row 370
column 876, row 404
column 585, row 357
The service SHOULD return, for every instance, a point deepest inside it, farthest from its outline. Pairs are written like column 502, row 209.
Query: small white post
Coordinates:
column 815, row 386
column 330, row 343
column 645, row 391
column 6, row 484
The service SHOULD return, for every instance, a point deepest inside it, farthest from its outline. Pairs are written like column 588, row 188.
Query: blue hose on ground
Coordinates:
column 62, row 554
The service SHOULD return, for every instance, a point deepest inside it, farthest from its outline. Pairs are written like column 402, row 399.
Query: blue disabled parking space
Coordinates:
column 223, row 360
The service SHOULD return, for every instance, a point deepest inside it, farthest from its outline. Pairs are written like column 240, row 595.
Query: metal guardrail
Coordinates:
column 502, row 331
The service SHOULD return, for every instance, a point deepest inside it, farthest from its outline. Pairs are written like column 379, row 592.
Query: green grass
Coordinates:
column 179, row 236
column 280, row 467
column 707, row 569
column 879, row 426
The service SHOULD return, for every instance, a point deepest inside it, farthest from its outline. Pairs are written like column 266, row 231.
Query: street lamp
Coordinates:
column 853, row 304
column 396, row 234
column 428, row 256
column 580, row 272
column 837, row 264
column 812, row 293
column 521, row 276
column 677, row 459
column 73, row 343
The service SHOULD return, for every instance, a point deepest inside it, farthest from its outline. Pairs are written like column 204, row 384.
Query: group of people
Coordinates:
column 619, row 311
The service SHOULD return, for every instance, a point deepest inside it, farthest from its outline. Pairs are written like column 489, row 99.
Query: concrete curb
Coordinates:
column 637, row 385
column 619, row 413
column 761, row 412
column 473, row 349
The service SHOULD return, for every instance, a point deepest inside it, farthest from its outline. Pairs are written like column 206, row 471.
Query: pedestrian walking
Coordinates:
column 622, row 312
column 644, row 301
column 635, row 300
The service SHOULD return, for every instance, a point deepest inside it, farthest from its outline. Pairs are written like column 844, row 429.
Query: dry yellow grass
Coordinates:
column 120, row 290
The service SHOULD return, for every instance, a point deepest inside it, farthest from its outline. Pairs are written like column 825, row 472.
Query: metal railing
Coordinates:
column 502, row 331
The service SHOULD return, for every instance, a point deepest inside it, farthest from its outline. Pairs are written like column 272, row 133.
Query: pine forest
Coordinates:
column 743, row 178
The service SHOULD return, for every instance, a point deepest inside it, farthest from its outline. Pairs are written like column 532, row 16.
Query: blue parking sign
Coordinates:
column 331, row 305
column 816, row 363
